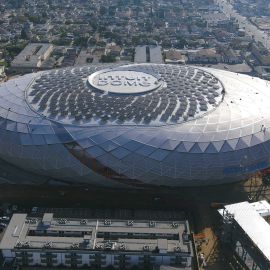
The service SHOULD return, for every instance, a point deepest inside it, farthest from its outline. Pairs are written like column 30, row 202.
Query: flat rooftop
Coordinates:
column 249, row 217
column 155, row 54
column 31, row 55
column 24, row 232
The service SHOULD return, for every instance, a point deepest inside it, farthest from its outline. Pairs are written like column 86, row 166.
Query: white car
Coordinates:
column 4, row 218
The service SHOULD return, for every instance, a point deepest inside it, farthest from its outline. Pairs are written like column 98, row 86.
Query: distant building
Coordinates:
column 148, row 54
column 215, row 19
column 261, row 53
column 247, row 232
column 31, row 57
column 2, row 70
column 140, row 54
column 155, row 54
column 241, row 43
column 208, row 56
column 241, row 32
column 27, row 28
column 230, row 56
column 2, row 73
column 173, row 56
column 76, row 243
column 85, row 57
column 224, row 36
column 70, row 57
column 263, row 72
column 127, row 54
column 113, row 50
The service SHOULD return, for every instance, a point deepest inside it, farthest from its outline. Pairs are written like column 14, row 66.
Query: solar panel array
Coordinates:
column 65, row 95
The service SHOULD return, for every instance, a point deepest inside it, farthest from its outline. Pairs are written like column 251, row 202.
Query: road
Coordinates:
column 251, row 30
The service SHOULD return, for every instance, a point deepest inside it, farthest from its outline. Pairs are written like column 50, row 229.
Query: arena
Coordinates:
column 138, row 125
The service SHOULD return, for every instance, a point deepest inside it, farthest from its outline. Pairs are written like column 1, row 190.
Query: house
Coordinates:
column 208, row 56
column 174, row 56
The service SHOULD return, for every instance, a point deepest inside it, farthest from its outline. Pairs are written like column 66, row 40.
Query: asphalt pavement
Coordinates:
column 251, row 30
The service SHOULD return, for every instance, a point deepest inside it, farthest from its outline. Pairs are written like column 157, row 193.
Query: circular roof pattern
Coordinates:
column 225, row 143
column 141, row 94
column 126, row 82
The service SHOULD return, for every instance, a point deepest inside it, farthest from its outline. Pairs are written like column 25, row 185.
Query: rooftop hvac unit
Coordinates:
column 98, row 246
column 146, row 247
column 228, row 218
column 62, row 221
column 48, row 245
column 18, row 245
column 130, row 222
column 83, row 221
column 175, row 224
column 108, row 245
column 122, row 247
column 152, row 223
column 107, row 222
column 75, row 245
column 25, row 244
column 32, row 221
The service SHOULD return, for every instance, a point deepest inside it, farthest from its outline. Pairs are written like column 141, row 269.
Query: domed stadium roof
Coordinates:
column 136, row 125
column 127, row 95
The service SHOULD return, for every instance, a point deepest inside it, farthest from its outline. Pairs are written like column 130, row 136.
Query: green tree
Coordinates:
column 14, row 50
column 102, row 10
column 181, row 43
column 107, row 58
column 63, row 34
column 24, row 34
column 36, row 19
column 81, row 41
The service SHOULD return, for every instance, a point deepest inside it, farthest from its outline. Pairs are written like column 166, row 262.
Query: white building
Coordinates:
column 76, row 243
column 148, row 54
column 247, row 232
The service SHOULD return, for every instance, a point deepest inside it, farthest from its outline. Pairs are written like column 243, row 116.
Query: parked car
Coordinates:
column 4, row 218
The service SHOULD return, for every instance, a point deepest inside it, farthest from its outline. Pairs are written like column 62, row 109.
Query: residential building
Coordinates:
column 174, row 56
column 113, row 50
column 209, row 56
column 52, row 242
column 261, row 53
column 230, row 56
column 213, row 19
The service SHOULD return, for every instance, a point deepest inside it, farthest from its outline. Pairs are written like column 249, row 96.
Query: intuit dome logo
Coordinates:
column 118, row 80
column 124, row 81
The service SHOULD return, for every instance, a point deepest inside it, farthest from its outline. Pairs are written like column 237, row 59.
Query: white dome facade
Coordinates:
column 136, row 125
